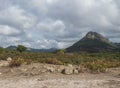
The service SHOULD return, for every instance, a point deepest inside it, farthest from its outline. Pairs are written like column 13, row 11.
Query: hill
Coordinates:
column 32, row 49
column 93, row 42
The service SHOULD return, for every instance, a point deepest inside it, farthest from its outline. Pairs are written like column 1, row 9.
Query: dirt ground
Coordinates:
column 10, row 78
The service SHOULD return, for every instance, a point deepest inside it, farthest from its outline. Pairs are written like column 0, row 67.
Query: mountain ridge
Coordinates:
column 12, row 47
column 93, row 42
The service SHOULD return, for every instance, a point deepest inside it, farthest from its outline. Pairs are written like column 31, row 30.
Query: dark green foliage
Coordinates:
column 21, row 48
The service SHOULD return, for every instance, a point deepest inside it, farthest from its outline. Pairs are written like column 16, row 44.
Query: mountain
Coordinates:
column 93, row 42
column 33, row 50
column 11, row 47
column 42, row 50
column 117, row 44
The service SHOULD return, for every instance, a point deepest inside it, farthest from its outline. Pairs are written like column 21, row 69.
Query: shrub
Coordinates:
column 16, row 62
column 97, row 66
column 53, row 61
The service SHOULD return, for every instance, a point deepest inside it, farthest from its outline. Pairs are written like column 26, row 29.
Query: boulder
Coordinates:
column 9, row 59
column 67, row 71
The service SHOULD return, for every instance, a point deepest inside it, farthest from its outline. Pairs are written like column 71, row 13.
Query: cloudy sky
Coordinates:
column 56, row 23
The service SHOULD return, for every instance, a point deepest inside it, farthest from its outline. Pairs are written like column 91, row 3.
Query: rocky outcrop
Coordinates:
column 39, row 68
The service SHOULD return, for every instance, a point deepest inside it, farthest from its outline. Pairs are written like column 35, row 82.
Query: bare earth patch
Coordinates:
column 22, row 77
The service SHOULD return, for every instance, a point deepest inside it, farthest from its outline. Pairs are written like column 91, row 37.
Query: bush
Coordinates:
column 96, row 67
column 16, row 62
column 53, row 61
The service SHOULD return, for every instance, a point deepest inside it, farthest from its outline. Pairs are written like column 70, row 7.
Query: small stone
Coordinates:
column 70, row 65
column 34, row 73
column 42, row 79
column 51, row 69
column 34, row 67
column 43, row 70
column 9, row 59
column 75, row 71
column 23, row 70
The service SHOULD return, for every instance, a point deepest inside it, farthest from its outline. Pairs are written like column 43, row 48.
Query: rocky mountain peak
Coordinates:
column 93, row 42
column 95, row 35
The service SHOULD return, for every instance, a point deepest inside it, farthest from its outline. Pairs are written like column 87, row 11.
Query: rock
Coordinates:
column 41, row 79
column 23, row 70
column 67, row 71
column 51, row 69
column 9, row 59
column 34, row 73
column 4, row 63
column 34, row 67
column 70, row 65
column 75, row 71
column 60, row 69
column 43, row 70
column 0, row 73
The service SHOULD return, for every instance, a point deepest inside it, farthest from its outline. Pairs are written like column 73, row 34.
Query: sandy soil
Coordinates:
column 57, row 80
column 61, row 81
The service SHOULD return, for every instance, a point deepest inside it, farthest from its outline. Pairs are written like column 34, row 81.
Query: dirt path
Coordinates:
column 62, row 81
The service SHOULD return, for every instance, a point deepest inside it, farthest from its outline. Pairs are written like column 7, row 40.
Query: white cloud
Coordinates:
column 51, row 29
column 16, row 17
column 6, row 30
column 57, row 23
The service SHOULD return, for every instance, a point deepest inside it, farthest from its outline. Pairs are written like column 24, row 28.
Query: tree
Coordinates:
column 21, row 48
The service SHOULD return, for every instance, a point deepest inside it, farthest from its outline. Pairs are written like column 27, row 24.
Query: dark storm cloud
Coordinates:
column 57, row 23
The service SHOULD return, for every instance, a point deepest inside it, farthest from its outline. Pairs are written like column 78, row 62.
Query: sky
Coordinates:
column 56, row 23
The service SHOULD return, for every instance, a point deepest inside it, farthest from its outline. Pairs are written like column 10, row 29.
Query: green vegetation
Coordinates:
column 107, row 55
column 94, row 61
column 21, row 48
